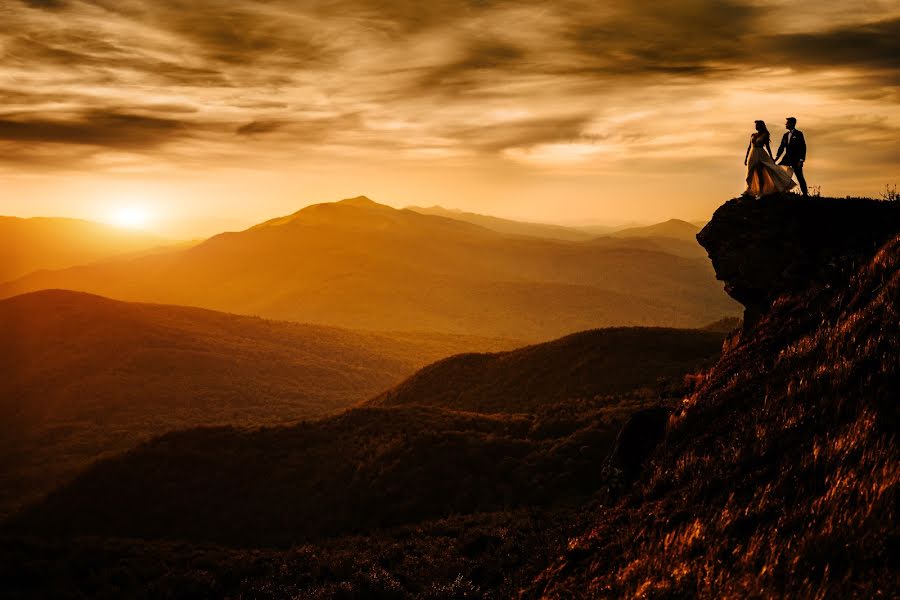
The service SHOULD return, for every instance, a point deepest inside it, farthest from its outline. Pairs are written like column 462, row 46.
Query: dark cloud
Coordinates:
column 261, row 104
column 232, row 33
column 689, row 37
column 677, row 38
column 481, row 58
column 81, row 55
column 95, row 128
column 872, row 45
column 523, row 133
column 45, row 4
column 258, row 127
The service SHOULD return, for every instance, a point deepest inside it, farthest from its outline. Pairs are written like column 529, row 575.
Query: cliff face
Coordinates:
column 780, row 475
column 783, row 244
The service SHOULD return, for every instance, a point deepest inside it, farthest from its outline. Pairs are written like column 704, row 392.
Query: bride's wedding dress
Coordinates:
column 763, row 175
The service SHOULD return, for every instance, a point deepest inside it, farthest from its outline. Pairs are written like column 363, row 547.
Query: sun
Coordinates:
column 131, row 217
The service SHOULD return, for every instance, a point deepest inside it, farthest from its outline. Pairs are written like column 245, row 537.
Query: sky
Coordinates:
column 211, row 115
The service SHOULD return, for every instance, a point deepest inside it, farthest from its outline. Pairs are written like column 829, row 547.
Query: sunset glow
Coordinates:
column 570, row 112
column 449, row 299
column 131, row 217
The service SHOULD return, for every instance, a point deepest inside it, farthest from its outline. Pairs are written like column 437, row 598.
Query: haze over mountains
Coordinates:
column 84, row 376
column 363, row 265
column 28, row 245
column 512, row 227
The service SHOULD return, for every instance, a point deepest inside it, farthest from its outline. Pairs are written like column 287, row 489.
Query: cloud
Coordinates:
column 257, row 127
column 94, row 128
column 212, row 79
column 868, row 45
column 678, row 37
column 476, row 58
column 45, row 4
column 496, row 137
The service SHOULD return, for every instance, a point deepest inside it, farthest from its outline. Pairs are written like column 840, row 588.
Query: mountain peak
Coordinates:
column 321, row 208
column 359, row 201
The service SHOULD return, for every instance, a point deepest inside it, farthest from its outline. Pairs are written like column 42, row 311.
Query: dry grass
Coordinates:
column 780, row 475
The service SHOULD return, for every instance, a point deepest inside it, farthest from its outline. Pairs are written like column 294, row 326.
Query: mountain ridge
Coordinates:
column 373, row 267
column 508, row 226
column 582, row 365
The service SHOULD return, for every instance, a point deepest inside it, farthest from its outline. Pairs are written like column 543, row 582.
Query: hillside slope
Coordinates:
column 363, row 470
column 582, row 365
column 779, row 476
column 84, row 376
column 28, row 245
column 363, row 265
column 425, row 450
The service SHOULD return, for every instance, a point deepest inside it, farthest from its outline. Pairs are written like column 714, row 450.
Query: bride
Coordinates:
column 763, row 175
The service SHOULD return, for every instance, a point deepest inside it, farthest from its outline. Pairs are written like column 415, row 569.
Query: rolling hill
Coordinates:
column 472, row 433
column 673, row 228
column 85, row 376
column 361, row 471
column 363, row 265
column 28, row 245
column 582, row 365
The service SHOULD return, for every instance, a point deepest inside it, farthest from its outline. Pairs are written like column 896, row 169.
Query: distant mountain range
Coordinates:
column 363, row 265
column 85, row 376
column 673, row 228
column 541, row 230
column 28, row 245
column 673, row 236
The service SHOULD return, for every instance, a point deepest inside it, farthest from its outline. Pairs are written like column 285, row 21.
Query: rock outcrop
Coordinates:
column 780, row 244
column 780, row 475
column 636, row 441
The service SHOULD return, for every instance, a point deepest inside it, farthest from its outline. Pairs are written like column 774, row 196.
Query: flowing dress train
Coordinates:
column 763, row 175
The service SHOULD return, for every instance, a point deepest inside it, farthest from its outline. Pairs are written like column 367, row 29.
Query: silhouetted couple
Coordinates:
column 764, row 176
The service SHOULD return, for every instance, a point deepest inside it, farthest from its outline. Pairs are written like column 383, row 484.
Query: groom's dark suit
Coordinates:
column 793, row 144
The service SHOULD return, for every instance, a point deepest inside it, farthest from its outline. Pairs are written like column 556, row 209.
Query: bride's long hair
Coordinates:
column 761, row 128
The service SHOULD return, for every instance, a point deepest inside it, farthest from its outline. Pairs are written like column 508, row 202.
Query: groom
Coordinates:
column 793, row 145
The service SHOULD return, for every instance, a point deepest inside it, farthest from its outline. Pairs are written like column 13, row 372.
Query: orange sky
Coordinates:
column 212, row 118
